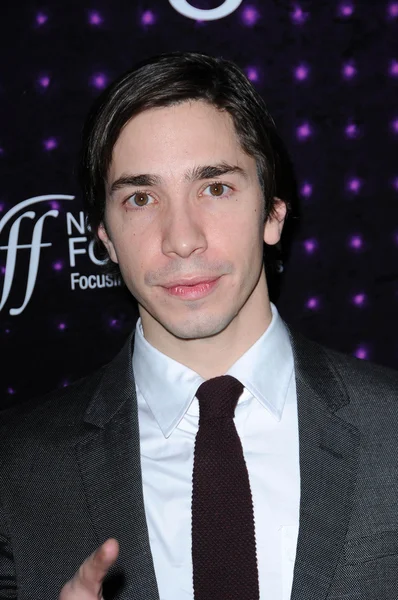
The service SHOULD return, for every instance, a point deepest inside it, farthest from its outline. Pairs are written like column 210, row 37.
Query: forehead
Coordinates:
column 174, row 138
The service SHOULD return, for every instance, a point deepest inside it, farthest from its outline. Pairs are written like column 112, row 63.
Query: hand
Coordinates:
column 87, row 583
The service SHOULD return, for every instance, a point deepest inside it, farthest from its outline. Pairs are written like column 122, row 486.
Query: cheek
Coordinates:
column 137, row 254
column 245, row 232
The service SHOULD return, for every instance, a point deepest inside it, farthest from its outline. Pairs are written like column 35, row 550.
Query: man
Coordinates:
column 179, row 170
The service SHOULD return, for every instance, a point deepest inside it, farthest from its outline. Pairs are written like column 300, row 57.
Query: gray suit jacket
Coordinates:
column 70, row 477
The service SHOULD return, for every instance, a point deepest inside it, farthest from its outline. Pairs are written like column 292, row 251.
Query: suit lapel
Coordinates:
column 109, row 460
column 329, row 449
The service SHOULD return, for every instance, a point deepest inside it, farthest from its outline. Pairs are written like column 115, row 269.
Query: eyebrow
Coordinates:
column 133, row 181
column 212, row 171
column 196, row 174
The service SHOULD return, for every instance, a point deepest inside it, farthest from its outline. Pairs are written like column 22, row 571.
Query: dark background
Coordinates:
column 329, row 74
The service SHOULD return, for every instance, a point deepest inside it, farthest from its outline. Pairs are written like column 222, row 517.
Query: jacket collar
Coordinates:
column 115, row 387
column 329, row 452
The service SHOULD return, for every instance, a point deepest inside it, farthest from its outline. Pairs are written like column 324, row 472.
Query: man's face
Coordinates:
column 184, row 221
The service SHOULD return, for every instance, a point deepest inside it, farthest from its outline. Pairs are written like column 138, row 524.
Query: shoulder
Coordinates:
column 57, row 416
column 59, row 419
column 349, row 369
column 363, row 373
column 363, row 382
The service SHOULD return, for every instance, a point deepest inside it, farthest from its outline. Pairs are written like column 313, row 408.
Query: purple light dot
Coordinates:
column 7, row 331
column 252, row 74
column 298, row 16
column 61, row 326
column 114, row 322
column 395, row 184
column 54, row 205
column 50, row 144
column 312, row 303
column 359, row 299
column 99, row 81
column 2, row 206
column 10, row 391
column 3, row 270
column 394, row 125
column 394, row 68
column 44, row 81
column 361, row 353
column 94, row 18
column 351, row 131
column 310, row 246
column 148, row 18
column 306, row 190
column 349, row 70
column 65, row 383
column 41, row 18
column 356, row 242
column 346, row 9
column 393, row 10
column 1, row 151
column 304, row 131
column 250, row 15
column 58, row 265
column 301, row 72
column 354, row 185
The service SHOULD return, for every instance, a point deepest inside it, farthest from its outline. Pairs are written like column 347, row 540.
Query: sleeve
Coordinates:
column 8, row 583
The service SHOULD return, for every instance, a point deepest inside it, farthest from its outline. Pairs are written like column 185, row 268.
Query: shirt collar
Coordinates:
column 168, row 387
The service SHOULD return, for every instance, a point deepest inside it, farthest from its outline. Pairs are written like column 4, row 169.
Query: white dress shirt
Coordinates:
column 266, row 421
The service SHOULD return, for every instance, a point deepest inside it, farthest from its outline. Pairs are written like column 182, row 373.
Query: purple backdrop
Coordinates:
column 329, row 73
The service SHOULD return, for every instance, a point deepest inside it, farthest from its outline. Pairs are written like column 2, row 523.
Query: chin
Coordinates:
column 198, row 328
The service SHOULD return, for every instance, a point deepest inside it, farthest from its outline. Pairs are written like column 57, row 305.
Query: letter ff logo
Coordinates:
column 35, row 246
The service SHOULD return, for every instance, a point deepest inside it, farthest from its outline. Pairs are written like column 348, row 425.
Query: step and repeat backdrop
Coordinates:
column 328, row 71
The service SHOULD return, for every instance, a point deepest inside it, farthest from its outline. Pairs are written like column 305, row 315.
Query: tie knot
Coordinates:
column 218, row 397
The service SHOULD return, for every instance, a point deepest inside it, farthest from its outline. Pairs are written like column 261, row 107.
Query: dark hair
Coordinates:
column 163, row 81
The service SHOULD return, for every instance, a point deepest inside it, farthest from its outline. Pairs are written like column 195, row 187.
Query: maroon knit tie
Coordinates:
column 223, row 539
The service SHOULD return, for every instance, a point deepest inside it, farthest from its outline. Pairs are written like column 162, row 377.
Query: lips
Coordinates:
column 192, row 289
column 190, row 282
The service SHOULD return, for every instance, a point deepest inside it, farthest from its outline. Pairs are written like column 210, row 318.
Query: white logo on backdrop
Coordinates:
column 35, row 246
column 200, row 14
column 77, row 245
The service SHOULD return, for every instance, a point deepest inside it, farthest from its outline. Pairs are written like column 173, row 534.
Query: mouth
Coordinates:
column 192, row 289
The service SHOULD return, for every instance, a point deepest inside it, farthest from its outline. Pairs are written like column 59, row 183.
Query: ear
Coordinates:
column 274, row 224
column 106, row 240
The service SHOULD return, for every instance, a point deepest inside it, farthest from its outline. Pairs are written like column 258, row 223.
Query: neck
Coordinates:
column 213, row 356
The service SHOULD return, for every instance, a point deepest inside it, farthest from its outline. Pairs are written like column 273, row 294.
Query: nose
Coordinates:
column 183, row 232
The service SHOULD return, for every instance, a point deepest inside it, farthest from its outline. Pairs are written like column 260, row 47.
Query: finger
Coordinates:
column 88, row 579
column 93, row 571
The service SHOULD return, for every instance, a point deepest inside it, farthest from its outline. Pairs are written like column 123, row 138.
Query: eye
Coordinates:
column 217, row 190
column 140, row 199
